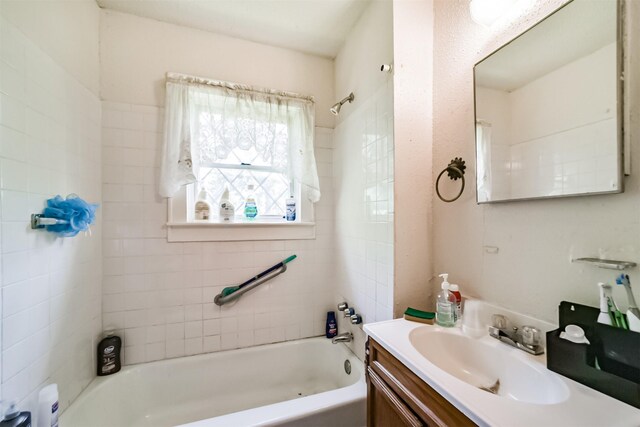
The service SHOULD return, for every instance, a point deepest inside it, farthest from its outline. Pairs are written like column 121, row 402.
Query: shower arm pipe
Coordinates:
column 335, row 108
column 221, row 299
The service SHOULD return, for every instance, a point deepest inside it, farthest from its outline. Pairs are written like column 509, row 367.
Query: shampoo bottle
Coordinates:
column 290, row 204
column 445, row 305
column 332, row 325
column 203, row 207
column 291, row 209
column 109, row 355
column 48, row 406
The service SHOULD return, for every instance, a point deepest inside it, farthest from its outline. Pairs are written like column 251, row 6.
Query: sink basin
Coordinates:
column 481, row 364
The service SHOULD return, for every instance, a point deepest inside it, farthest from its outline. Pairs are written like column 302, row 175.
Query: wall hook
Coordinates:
column 39, row 221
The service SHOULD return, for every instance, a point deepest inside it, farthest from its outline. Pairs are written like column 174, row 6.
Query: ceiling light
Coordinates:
column 486, row 12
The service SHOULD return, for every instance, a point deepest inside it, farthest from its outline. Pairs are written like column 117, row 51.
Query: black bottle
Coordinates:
column 109, row 355
column 332, row 325
column 12, row 417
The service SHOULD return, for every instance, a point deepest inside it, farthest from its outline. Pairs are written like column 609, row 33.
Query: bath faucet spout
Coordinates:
column 343, row 337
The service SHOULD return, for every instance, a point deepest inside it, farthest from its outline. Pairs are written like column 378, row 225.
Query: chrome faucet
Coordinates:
column 343, row 337
column 526, row 339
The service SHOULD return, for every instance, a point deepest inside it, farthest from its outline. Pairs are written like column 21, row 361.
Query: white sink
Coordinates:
column 481, row 364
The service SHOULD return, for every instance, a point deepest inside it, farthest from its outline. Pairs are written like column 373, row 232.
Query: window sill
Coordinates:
column 204, row 231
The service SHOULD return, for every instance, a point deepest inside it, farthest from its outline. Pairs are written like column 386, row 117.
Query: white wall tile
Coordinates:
column 364, row 223
column 138, row 256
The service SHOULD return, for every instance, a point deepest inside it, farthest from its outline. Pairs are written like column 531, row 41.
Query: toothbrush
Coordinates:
column 616, row 315
column 633, row 314
column 623, row 280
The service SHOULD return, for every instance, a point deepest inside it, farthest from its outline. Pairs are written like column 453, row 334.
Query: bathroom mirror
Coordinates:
column 548, row 108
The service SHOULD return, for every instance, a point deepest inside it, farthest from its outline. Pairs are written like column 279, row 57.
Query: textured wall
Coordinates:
column 532, row 271
column 135, row 54
column 412, row 121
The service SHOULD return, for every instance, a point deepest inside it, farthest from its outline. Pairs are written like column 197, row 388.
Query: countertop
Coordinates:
column 583, row 407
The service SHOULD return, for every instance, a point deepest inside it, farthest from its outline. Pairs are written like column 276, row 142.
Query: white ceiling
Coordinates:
column 580, row 28
column 318, row 27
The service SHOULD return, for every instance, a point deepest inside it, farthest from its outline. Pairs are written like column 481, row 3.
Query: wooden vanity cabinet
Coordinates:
column 398, row 397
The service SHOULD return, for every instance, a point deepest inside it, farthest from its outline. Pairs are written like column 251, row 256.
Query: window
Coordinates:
column 236, row 166
column 221, row 135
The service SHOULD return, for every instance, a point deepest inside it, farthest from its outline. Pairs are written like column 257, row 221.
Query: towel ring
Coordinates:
column 455, row 169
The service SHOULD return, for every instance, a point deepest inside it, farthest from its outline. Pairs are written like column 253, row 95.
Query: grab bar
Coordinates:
column 234, row 292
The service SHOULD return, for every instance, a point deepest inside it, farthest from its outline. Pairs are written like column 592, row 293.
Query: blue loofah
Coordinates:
column 77, row 213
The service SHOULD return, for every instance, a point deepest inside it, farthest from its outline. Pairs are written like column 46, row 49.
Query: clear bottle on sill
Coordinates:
column 250, row 207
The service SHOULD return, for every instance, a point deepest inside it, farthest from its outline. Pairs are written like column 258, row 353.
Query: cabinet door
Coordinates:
column 418, row 397
column 384, row 408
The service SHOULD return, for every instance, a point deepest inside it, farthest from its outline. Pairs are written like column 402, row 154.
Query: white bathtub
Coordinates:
column 297, row 383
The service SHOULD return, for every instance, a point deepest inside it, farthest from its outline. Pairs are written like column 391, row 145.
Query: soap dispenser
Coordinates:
column 445, row 305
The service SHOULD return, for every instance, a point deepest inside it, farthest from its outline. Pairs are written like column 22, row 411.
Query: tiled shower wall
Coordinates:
column 49, row 144
column 159, row 295
column 363, row 173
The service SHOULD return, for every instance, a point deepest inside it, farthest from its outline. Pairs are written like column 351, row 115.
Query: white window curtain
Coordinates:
column 483, row 150
column 206, row 120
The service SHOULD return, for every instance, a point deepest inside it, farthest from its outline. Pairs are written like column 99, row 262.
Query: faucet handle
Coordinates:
column 343, row 306
column 530, row 336
column 348, row 312
column 499, row 321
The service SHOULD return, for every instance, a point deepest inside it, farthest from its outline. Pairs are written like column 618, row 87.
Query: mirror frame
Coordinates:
column 620, row 62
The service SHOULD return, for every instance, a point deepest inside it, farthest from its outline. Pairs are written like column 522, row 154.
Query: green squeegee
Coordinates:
column 231, row 289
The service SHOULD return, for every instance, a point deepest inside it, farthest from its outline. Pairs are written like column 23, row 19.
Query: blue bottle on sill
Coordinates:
column 250, row 207
column 332, row 325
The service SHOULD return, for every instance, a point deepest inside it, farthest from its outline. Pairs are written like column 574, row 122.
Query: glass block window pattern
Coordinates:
column 238, row 151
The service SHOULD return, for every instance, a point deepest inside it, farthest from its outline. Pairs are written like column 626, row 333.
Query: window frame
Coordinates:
column 181, row 227
column 243, row 166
